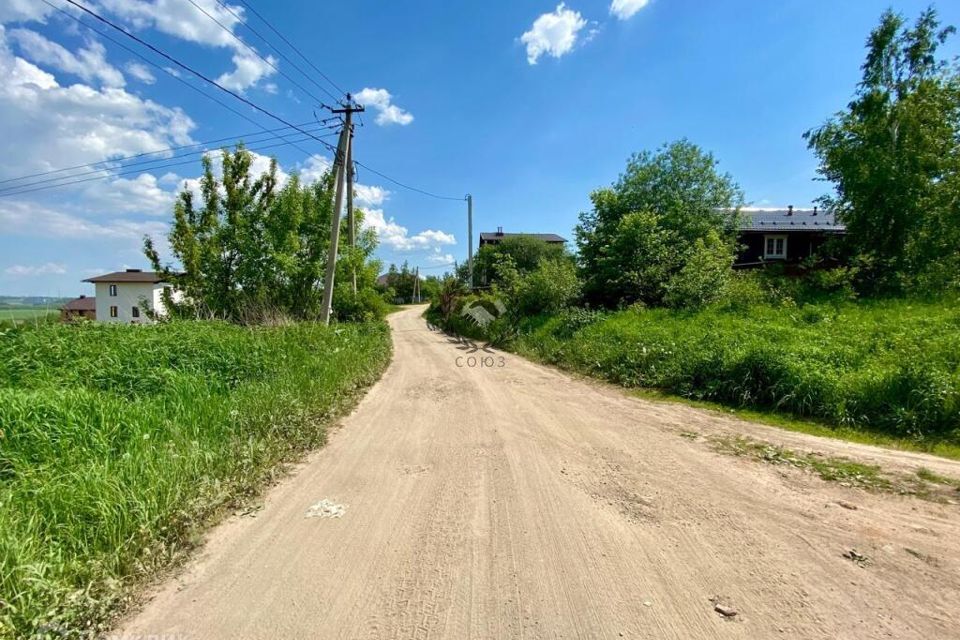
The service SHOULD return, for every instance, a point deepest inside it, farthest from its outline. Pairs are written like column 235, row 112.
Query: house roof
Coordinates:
column 130, row 275
column 495, row 235
column 83, row 303
column 790, row 220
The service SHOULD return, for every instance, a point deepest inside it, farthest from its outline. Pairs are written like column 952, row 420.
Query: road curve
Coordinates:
column 513, row 501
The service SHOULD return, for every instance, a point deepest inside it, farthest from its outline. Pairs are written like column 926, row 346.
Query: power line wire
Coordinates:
column 292, row 46
column 276, row 50
column 234, row 94
column 169, row 72
column 125, row 173
column 106, row 165
column 406, row 186
column 200, row 75
column 254, row 51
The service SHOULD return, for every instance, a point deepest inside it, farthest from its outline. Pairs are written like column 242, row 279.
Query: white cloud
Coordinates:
column 88, row 63
column 141, row 72
column 249, row 69
column 59, row 126
column 181, row 19
column 553, row 34
column 23, row 10
column 370, row 196
column 387, row 112
column 20, row 270
column 397, row 237
column 31, row 219
column 440, row 258
column 315, row 168
column 142, row 194
column 626, row 9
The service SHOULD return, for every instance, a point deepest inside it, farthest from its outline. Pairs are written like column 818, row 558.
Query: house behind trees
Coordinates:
column 786, row 236
column 82, row 308
column 498, row 236
column 129, row 297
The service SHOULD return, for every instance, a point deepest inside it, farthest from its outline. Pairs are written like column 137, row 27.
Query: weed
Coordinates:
column 929, row 476
column 841, row 470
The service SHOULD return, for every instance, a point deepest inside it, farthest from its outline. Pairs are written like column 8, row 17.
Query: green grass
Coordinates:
column 809, row 426
column 886, row 369
column 28, row 315
column 119, row 444
column 924, row 484
column 831, row 469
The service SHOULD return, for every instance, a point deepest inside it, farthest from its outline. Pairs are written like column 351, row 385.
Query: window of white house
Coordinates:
column 135, row 312
column 775, row 247
column 113, row 290
column 114, row 312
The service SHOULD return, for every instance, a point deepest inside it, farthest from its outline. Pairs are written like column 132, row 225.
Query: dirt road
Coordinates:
column 514, row 501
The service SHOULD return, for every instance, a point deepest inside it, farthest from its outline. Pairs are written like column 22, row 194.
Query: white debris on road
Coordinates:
column 326, row 509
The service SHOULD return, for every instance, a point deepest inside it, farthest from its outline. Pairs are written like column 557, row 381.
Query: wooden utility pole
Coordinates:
column 351, row 225
column 340, row 167
column 470, row 238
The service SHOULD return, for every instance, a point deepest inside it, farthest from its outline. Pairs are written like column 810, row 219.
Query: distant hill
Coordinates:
column 19, row 302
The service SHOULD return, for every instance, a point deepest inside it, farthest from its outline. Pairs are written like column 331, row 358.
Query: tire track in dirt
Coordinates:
column 520, row 502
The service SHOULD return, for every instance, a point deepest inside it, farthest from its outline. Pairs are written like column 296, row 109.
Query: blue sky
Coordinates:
column 527, row 105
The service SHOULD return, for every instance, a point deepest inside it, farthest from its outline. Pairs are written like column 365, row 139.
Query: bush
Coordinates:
column 745, row 290
column 364, row 306
column 703, row 279
column 552, row 286
column 886, row 366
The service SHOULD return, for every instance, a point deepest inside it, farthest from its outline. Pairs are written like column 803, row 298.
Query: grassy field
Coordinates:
column 27, row 314
column 890, row 368
column 120, row 444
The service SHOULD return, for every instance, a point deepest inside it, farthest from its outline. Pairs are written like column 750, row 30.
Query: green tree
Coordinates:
column 553, row 285
column 525, row 252
column 704, row 278
column 402, row 282
column 249, row 249
column 644, row 228
column 893, row 157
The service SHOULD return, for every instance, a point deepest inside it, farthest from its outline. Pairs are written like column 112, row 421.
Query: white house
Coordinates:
column 123, row 296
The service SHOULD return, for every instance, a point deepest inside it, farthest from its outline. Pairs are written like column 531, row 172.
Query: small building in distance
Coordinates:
column 82, row 308
column 785, row 236
column 498, row 236
column 127, row 296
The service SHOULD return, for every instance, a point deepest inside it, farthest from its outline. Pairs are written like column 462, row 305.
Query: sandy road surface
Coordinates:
column 517, row 502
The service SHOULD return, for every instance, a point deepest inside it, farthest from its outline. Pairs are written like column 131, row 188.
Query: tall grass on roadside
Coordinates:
column 117, row 445
column 885, row 366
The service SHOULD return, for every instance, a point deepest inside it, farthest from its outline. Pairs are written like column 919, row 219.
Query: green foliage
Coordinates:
column 13, row 316
column 705, row 276
column 887, row 366
column 524, row 252
column 549, row 287
column 644, row 229
column 119, row 444
column 363, row 306
column 399, row 286
column 253, row 252
column 447, row 297
column 893, row 157
column 570, row 321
